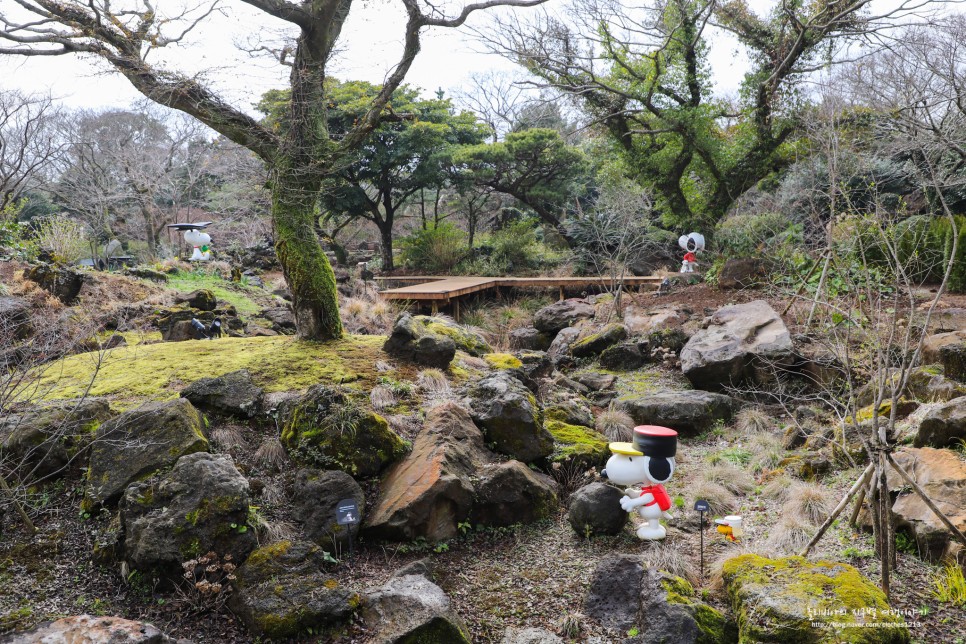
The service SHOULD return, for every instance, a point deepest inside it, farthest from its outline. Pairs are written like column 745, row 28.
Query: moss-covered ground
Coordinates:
column 159, row 371
column 238, row 294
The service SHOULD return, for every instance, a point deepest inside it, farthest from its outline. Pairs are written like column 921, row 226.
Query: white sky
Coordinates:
column 372, row 40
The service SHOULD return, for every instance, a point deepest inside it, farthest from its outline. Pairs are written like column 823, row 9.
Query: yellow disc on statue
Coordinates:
column 627, row 449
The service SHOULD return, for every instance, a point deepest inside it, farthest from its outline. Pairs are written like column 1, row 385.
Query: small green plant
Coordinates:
column 906, row 543
column 441, row 547
column 949, row 585
column 464, row 527
column 736, row 455
column 634, row 632
column 679, row 502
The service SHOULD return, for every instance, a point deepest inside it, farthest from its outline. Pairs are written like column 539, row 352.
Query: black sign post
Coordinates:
column 702, row 506
column 347, row 514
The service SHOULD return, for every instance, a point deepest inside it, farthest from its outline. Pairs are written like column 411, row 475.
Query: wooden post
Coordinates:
column 456, row 309
column 563, row 294
column 434, row 307
column 838, row 509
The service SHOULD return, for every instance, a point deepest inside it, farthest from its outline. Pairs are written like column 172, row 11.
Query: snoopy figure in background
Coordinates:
column 649, row 460
column 692, row 245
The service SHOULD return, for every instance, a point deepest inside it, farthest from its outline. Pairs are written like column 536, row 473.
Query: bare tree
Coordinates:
column 28, row 142
column 497, row 98
column 300, row 156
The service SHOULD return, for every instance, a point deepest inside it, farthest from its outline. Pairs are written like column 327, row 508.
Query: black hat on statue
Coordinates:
column 656, row 441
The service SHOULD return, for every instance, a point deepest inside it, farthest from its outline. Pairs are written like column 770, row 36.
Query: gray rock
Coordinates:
column 953, row 357
column 281, row 591
column 316, row 496
column 596, row 509
column 201, row 505
column 560, row 315
column 233, row 394
column 688, row 412
column 41, row 440
column 535, row 364
column 625, row 356
column 529, row 636
column 943, row 426
column 510, row 417
column 430, row 491
column 529, row 337
column 139, row 442
column 281, row 318
column 645, row 321
column 591, row 345
column 411, row 609
column 614, row 596
column 87, row 629
column 744, row 343
column 559, row 351
column 570, row 410
column 933, row 344
column 509, row 493
column 413, row 340
column 596, row 381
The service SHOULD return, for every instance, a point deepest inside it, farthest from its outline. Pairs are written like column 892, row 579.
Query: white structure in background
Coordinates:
column 691, row 244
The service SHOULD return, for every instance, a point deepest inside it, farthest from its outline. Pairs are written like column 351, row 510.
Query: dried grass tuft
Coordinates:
column 752, row 420
column 229, row 438
column 382, row 397
column 433, row 382
column 271, row 454
column 777, row 489
column 615, row 425
column 671, row 559
column 790, row 535
column 720, row 499
column 808, row 502
column 734, row 479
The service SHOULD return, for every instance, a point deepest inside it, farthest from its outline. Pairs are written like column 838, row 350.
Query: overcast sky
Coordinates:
column 371, row 41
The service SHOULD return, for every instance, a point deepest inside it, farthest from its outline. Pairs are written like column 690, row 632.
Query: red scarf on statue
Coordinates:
column 660, row 496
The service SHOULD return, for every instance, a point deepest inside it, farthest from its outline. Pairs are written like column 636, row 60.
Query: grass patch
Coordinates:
column 238, row 295
column 159, row 371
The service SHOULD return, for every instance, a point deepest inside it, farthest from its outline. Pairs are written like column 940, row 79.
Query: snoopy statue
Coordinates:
column 691, row 244
column 648, row 460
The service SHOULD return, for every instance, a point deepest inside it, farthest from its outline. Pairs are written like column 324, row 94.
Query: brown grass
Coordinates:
column 734, row 479
column 271, row 454
column 808, row 502
column 790, row 535
column 615, row 425
column 719, row 498
column 228, row 438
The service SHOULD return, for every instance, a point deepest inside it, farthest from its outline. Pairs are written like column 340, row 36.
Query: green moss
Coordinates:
column 238, row 295
column 802, row 593
column 278, row 626
column 465, row 340
column 575, row 442
column 159, row 371
column 503, row 361
column 269, row 553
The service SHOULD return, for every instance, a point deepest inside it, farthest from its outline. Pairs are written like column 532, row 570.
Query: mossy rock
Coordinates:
column 503, row 361
column 138, row 443
column 465, row 339
column 714, row 626
column 593, row 344
column 903, row 409
column 129, row 375
column 510, row 417
column 577, row 443
column 418, row 339
column 328, row 429
column 796, row 601
column 281, row 591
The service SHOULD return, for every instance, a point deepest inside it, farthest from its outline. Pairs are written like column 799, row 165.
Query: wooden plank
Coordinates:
column 450, row 287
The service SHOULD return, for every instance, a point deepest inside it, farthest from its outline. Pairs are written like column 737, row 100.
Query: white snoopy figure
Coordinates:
column 692, row 244
column 649, row 460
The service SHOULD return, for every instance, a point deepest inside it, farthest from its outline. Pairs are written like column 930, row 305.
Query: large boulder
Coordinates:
column 14, row 318
column 42, row 440
column 795, row 600
column 431, row 491
column 329, row 429
column 465, row 338
column 61, row 282
column 316, row 496
column 559, row 351
column 953, row 357
column 409, row 609
column 942, row 475
column 88, row 629
column 664, row 609
column 591, row 345
column 596, row 509
column 203, row 299
column 624, row 356
column 201, row 505
column 932, row 345
column 528, row 337
column 741, row 273
column 743, row 343
column 281, row 591
column 414, row 339
column 510, row 417
column 689, row 412
column 510, row 492
column 641, row 321
column 139, row 442
column 232, row 394
column 560, row 315
column 176, row 324
column 943, row 426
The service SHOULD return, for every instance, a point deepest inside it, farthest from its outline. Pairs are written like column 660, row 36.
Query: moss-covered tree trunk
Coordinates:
column 307, row 270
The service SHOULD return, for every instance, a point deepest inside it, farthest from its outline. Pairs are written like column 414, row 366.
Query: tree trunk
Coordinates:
column 306, row 268
column 385, row 235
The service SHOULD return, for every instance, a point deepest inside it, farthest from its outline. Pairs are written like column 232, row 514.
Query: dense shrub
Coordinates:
column 750, row 235
column 434, row 250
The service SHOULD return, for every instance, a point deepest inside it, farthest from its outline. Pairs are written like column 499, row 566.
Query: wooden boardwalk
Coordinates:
column 437, row 290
